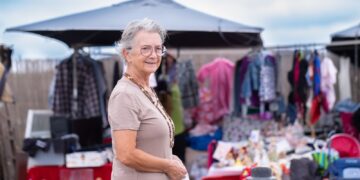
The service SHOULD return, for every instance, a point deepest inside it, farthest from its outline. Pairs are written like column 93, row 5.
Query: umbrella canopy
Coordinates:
column 186, row 27
column 346, row 42
column 351, row 33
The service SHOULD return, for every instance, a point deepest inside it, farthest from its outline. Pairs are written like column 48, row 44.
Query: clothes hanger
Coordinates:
column 83, row 52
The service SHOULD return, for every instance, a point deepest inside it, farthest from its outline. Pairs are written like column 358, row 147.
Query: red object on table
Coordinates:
column 348, row 128
column 346, row 145
column 222, row 178
column 55, row 172
column 242, row 176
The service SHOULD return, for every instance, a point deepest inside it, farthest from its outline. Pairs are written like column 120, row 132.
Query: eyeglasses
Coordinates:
column 148, row 50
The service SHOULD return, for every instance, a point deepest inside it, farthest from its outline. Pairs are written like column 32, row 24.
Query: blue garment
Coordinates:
column 317, row 76
column 279, row 103
column 346, row 105
column 251, row 79
column 291, row 113
column 246, row 83
column 236, row 101
column 201, row 142
column 255, row 68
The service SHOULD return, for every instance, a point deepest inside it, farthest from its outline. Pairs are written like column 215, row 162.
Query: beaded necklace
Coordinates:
column 161, row 109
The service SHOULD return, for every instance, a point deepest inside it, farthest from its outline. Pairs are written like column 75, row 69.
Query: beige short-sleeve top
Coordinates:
column 130, row 109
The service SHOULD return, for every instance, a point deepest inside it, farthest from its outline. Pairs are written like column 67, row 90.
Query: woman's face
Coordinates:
column 144, row 54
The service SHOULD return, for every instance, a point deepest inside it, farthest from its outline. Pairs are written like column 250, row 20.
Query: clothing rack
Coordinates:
column 80, row 52
column 297, row 46
column 332, row 44
column 324, row 46
column 317, row 46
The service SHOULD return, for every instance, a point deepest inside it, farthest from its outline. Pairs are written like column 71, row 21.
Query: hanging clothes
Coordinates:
column 344, row 79
column 302, row 86
column 254, row 83
column 328, row 80
column 317, row 75
column 168, row 76
column 299, row 84
column 244, row 79
column 188, row 84
column 255, row 71
column 171, row 72
column 267, row 90
column 88, row 97
column 319, row 100
column 118, row 72
column 235, row 101
column 163, row 90
column 250, row 80
column 177, row 110
column 205, row 112
column 215, row 81
column 177, row 115
column 102, row 89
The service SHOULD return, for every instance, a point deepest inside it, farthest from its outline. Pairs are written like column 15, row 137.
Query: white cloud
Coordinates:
column 35, row 46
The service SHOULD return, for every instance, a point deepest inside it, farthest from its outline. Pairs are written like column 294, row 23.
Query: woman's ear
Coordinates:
column 125, row 53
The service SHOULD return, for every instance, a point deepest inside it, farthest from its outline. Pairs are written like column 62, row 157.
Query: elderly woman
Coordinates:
column 142, row 131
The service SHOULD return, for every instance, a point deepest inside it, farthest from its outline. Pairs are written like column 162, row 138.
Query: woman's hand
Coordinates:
column 176, row 169
column 174, row 157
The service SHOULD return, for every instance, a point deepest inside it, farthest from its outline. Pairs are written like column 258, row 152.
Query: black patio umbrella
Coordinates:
column 186, row 27
column 351, row 33
column 346, row 43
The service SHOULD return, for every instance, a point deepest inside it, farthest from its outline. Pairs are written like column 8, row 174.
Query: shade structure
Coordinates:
column 351, row 33
column 186, row 27
column 346, row 42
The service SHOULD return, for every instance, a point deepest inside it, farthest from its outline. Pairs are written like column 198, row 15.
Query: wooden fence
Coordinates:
column 29, row 83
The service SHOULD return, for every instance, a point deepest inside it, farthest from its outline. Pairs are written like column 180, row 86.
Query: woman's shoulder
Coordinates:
column 124, row 87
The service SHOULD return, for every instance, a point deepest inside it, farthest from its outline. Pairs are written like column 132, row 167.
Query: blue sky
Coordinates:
column 284, row 21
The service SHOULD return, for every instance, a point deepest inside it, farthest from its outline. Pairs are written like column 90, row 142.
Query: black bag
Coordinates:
column 59, row 126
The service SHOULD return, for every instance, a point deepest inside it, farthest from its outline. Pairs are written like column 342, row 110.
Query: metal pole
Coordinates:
column 356, row 93
column 177, row 52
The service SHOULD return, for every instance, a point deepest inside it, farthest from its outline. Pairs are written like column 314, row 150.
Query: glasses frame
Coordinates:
column 163, row 52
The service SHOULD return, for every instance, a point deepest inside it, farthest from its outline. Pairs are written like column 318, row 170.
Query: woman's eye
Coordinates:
column 146, row 48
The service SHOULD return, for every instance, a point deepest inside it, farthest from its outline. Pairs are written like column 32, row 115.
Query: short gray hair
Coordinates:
column 134, row 27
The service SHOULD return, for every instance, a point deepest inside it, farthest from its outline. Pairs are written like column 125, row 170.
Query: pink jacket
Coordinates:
column 217, row 77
